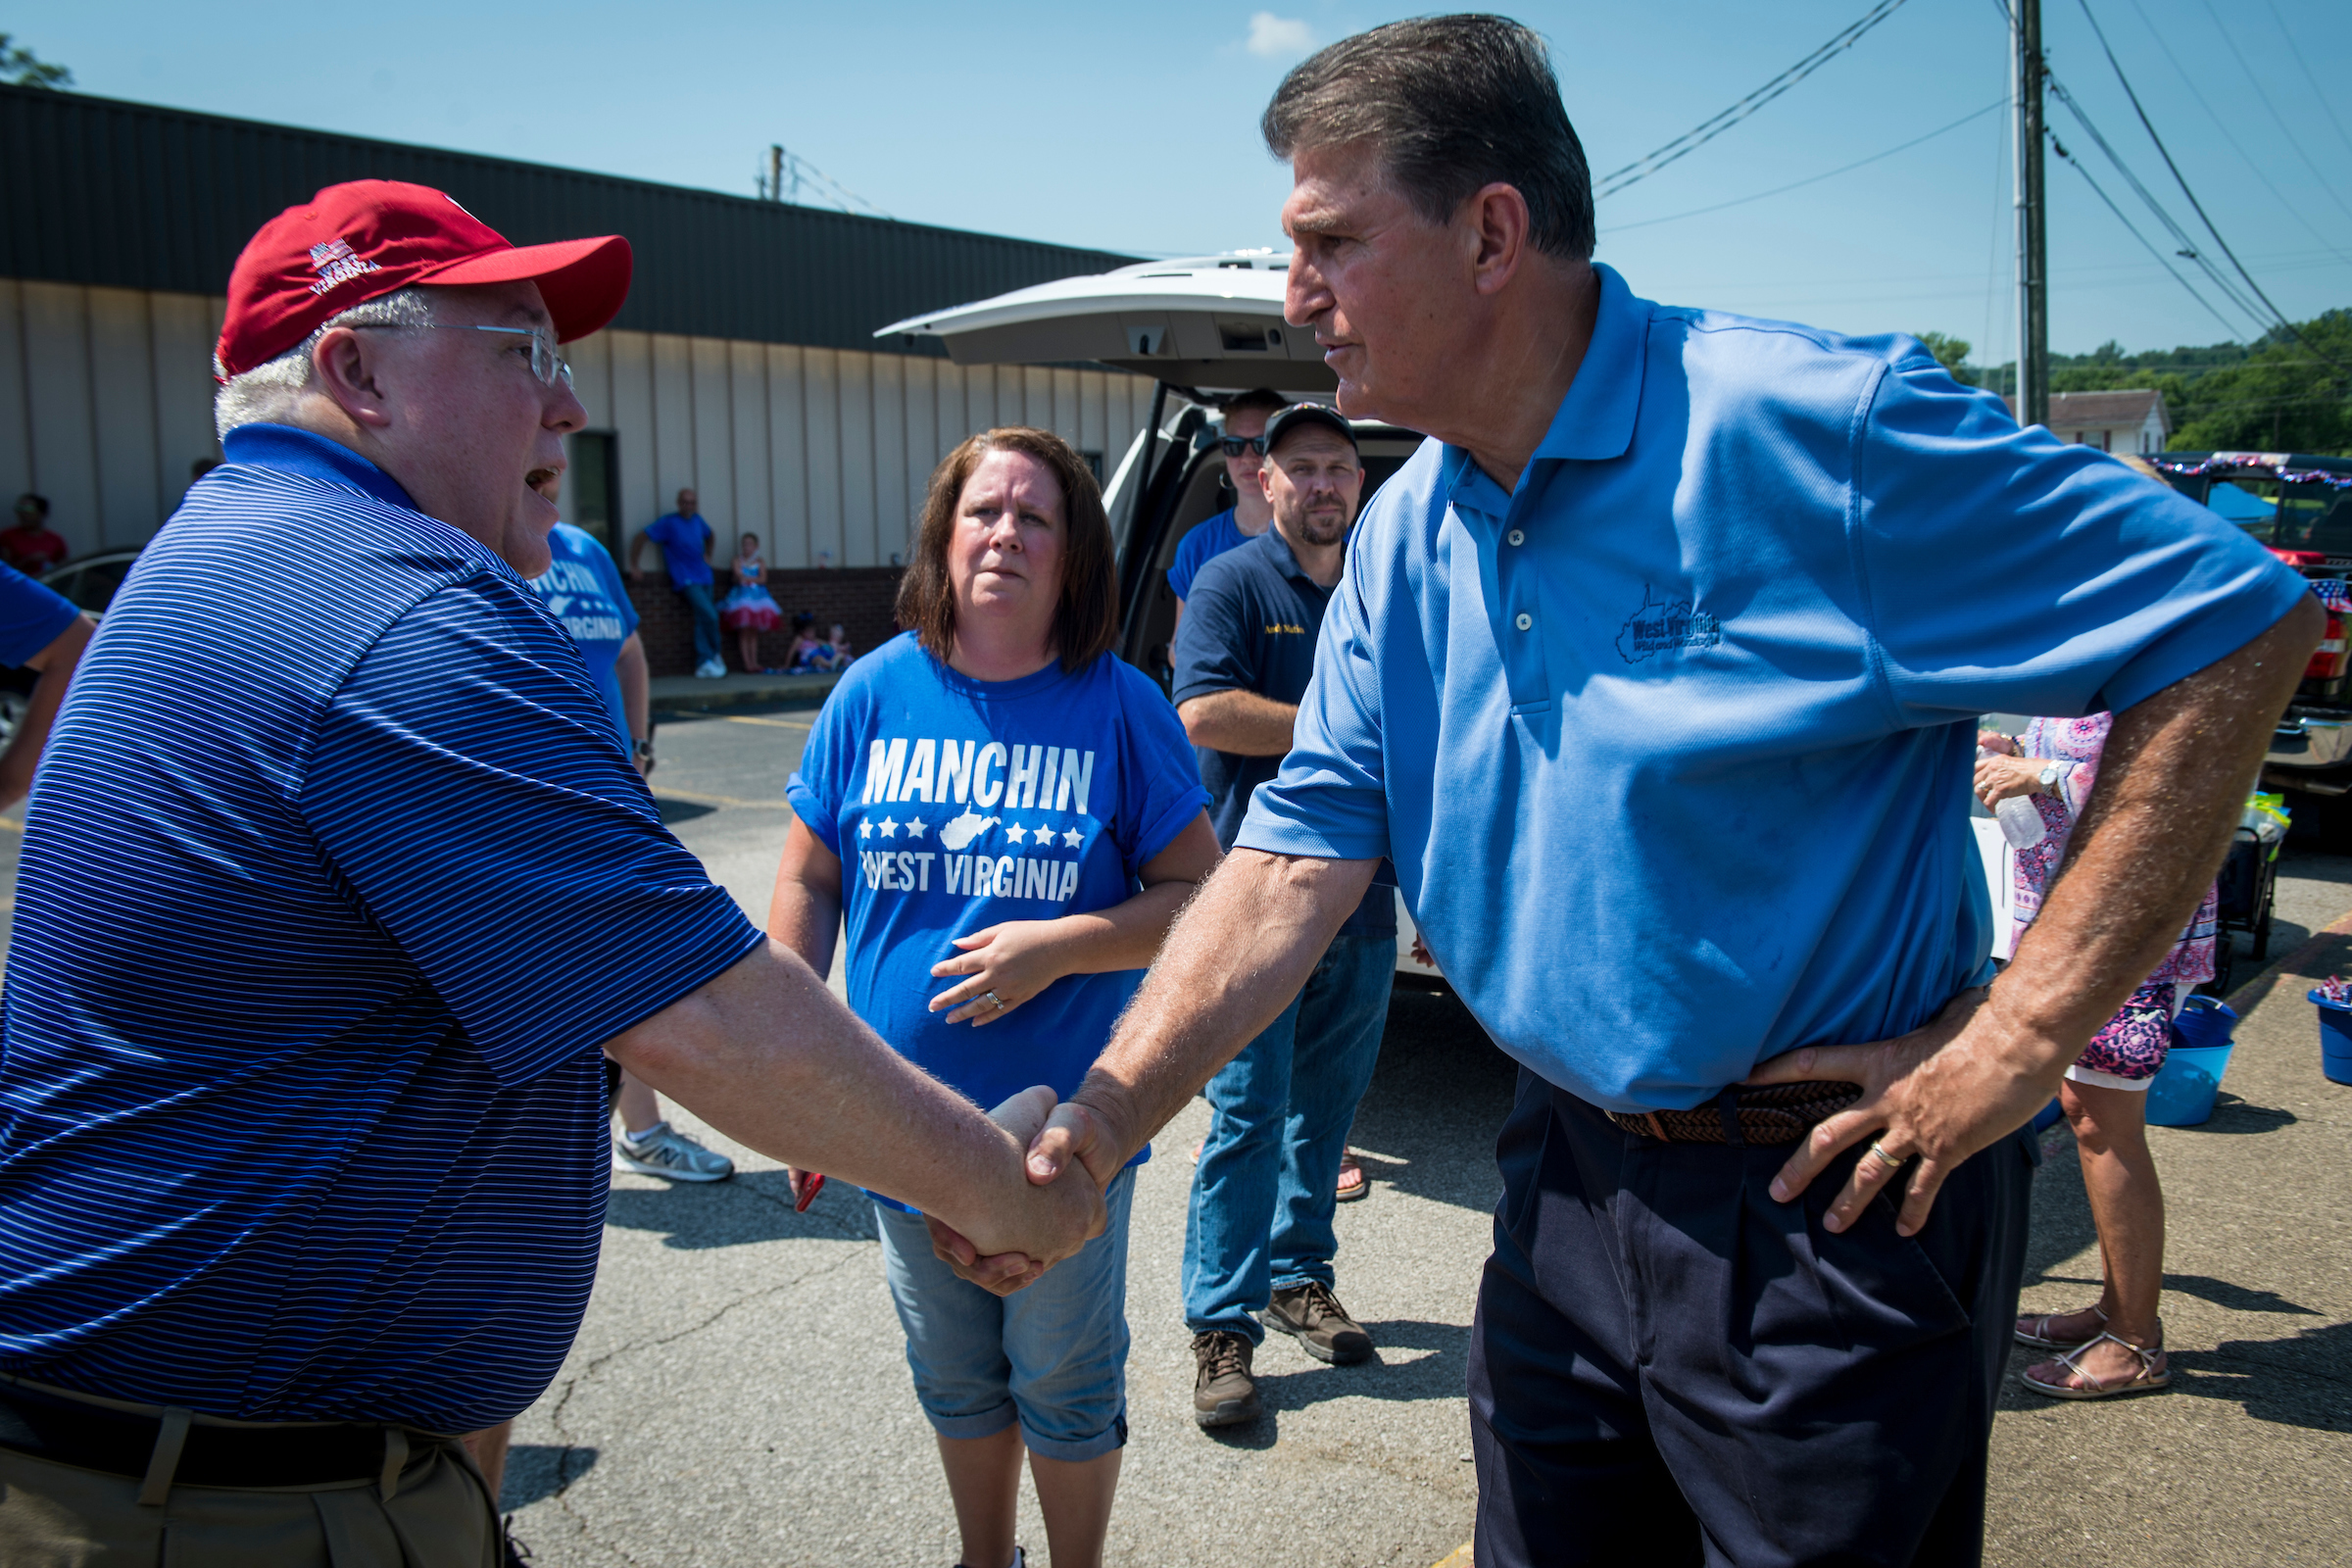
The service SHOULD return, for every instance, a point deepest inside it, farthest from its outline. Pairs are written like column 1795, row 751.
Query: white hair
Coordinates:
column 270, row 391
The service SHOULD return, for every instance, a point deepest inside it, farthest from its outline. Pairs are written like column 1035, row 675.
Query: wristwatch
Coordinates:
column 2052, row 773
column 642, row 751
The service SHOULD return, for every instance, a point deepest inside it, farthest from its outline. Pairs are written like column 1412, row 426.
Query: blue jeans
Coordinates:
column 1262, row 1199
column 1053, row 1357
column 706, row 621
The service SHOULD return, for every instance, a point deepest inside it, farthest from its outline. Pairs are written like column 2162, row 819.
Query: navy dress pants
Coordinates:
column 1670, row 1367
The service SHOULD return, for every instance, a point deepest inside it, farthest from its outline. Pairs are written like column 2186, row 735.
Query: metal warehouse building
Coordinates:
column 744, row 364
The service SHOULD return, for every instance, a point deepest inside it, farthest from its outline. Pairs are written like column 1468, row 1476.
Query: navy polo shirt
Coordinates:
column 1671, row 744
column 333, row 882
column 1250, row 624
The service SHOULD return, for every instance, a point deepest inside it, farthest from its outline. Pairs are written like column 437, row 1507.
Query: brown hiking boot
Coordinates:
column 1224, row 1393
column 1314, row 1317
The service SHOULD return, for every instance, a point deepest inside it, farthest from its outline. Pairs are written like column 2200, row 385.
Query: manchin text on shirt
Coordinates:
column 1036, row 793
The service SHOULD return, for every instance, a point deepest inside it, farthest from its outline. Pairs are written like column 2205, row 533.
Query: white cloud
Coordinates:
column 1275, row 37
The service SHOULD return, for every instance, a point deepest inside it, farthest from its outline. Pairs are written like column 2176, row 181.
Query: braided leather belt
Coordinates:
column 1775, row 1113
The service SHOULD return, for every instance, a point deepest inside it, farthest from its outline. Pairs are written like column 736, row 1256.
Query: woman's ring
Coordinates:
column 994, row 999
column 1880, row 1151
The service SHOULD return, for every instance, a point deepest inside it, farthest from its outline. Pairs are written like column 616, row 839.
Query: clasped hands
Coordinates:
column 1069, row 1146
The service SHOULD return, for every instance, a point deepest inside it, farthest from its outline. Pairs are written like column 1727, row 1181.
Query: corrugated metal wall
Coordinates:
column 105, row 399
column 132, row 196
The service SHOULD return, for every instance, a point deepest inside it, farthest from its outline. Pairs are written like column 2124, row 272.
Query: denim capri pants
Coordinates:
column 1053, row 1357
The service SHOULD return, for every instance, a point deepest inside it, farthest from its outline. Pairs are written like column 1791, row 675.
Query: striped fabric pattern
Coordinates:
column 333, row 881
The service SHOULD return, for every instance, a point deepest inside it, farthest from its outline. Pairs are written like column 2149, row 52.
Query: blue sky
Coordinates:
column 1132, row 128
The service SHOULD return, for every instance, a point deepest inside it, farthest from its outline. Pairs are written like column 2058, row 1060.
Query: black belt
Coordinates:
column 1773, row 1114
column 299, row 1453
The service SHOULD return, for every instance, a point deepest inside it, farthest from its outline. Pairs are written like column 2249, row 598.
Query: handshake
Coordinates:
column 1068, row 1155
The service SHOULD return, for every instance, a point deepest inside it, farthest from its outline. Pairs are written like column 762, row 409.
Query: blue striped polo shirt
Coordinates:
column 332, row 884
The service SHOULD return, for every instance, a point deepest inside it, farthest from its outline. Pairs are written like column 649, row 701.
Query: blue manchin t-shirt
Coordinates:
column 1208, row 541
column 30, row 616
column 681, row 540
column 955, row 804
column 332, row 884
column 582, row 589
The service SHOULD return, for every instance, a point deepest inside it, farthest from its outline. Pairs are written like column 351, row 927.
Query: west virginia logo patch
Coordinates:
column 1665, row 627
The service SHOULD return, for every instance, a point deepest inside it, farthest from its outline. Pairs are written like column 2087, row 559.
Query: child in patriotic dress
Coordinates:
column 747, row 610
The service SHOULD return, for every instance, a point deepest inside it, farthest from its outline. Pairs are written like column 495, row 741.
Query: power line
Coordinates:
column 1742, row 201
column 2295, row 53
column 2283, row 129
column 2190, row 82
column 1706, row 130
column 2181, row 180
column 2161, row 260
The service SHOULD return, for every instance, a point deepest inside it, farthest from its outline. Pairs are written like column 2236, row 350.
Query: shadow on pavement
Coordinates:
column 2301, row 1381
column 753, row 1207
column 675, row 811
column 2231, row 1114
column 537, row 1470
column 1438, row 1098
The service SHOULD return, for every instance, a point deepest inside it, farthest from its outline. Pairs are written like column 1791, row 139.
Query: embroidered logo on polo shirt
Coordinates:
column 336, row 263
column 1665, row 627
column 1275, row 628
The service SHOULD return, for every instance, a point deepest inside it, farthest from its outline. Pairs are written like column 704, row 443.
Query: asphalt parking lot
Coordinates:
column 737, row 1395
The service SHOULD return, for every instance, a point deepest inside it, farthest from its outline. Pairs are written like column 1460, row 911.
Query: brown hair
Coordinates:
column 1086, row 621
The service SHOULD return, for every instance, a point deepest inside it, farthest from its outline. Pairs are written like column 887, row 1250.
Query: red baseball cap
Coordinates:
column 366, row 239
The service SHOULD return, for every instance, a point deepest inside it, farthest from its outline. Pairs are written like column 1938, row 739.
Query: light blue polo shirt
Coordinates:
column 1670, row 745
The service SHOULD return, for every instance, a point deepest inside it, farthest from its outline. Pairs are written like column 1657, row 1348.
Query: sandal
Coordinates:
column 2036, row 1331
column 1359, row 1186
column 2153, row 1373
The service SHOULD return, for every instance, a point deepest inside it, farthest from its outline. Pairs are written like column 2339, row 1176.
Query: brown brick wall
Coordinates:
column 860, row 598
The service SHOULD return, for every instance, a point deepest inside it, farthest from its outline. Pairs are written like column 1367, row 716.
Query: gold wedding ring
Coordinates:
column 1881, row 1151
column 994, row 999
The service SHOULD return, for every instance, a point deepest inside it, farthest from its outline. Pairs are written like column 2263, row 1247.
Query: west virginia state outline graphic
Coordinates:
column 960, row 830
column 1665, row 627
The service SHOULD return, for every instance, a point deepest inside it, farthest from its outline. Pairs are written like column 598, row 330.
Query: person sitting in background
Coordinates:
column 837, row 646
column 28, row 544
column 747, row 610
column 808, row 654
column 41, row 630
column 684, row 540
column 1026, row 819
column 2117, row 1345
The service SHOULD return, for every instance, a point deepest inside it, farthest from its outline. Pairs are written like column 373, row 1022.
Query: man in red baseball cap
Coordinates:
column 336, row 892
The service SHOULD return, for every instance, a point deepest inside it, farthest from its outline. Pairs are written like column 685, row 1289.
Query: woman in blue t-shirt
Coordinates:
column 1008, row 817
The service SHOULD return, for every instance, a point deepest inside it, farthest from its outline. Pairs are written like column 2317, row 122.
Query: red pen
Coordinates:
column 812, row 1184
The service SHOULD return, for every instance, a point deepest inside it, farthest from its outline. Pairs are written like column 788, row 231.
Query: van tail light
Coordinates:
column 2331, row 660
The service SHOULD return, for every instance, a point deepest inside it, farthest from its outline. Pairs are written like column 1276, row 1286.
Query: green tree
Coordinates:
column 2280, row 394
column 22, row 68
column 1952, row 354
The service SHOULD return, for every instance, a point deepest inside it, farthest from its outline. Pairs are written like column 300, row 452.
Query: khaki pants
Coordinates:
column 439, row 1516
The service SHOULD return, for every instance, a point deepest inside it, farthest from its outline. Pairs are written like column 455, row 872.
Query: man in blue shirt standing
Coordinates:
column 39, row 630
column 384, row 895
column 1259, row 1235
column 1243, row 442
column 685, row 542
column 1656, row 673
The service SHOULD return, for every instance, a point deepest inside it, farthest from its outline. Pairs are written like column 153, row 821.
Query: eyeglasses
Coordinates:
column 1235, row 445
column 546, row 364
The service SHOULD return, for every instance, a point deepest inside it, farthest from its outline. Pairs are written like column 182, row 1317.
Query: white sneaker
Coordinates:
column 664, row 1150
column 716, row 669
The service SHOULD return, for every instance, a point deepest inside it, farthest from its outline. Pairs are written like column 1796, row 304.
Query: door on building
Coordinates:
column 594, row 480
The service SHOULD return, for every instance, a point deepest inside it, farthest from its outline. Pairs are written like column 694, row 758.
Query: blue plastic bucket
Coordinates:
column 2182, row 1093
column 2049, row 1115
column 2335, row 1040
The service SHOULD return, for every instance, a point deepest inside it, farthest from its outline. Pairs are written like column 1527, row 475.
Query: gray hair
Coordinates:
column 1452, row 104
column 270, row 391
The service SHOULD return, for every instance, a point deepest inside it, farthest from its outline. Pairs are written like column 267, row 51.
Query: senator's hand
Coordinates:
column 1931, row 1099
column 1080, row 1134
column 2000, row 777
column 1066, row 1216
column 999, row 967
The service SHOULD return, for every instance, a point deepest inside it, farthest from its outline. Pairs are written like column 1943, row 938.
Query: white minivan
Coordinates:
column 1204, row 329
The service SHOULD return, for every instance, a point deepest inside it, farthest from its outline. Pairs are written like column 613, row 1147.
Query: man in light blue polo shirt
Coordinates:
column 1656, row 673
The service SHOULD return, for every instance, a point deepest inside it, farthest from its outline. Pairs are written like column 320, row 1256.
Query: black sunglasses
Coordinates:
column 1235, row 445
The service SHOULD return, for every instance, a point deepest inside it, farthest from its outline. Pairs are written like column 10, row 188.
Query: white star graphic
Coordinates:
column 1073, row 838
column 865, row 827
column 890, row 829
column 1017, row 834
column 914, row 828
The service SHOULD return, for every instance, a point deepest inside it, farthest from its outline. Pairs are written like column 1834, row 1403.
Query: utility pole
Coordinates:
column 2033, row 249
column 775, row 172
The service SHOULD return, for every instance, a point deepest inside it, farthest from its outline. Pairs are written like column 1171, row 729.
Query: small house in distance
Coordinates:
column 2130, row 421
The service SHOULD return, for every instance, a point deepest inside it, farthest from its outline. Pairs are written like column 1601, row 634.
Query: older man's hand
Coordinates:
column 1024, row 1116
column 1934, row 1096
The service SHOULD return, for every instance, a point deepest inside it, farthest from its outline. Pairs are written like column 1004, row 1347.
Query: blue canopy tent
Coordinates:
column 2237, row 506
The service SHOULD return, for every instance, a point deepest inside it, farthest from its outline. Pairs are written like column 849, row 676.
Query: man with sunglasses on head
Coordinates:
column 329, row 914
column 1244, row 443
